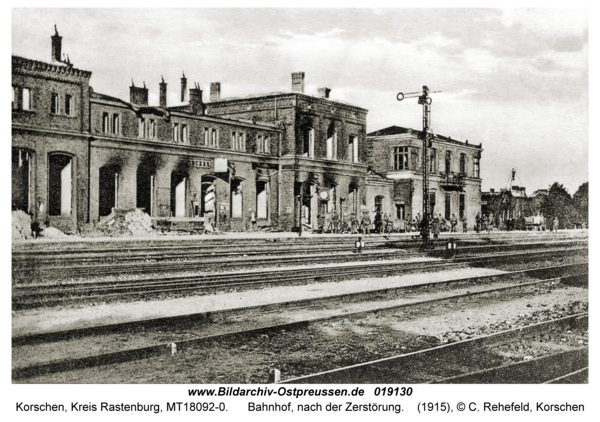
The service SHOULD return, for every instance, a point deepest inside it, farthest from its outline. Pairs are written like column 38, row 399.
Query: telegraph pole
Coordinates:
column 427, row 136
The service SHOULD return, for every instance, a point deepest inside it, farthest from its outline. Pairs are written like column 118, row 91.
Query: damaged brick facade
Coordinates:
column 394, row 155
column 323, row 151
column 77, row 154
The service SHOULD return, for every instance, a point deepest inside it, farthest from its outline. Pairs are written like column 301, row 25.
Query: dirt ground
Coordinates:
column 328, row 345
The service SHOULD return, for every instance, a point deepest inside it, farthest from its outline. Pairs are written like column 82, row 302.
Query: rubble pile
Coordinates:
column 123, row 223
column 139, row 223
column 21, row 225
column 53, row 233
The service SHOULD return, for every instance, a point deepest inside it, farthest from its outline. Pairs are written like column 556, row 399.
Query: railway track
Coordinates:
column 184, row 250
column 160, row 349
column 28, row 296
column 211, row 263
column 416, row 367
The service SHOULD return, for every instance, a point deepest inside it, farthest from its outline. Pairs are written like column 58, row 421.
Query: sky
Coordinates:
column 514, row 80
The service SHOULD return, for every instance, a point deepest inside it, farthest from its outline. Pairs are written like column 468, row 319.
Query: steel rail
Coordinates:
column 159, row 349
column 536, row 371
column 183, row 245
column 27, row 297
column 237, row 261
column 383, row 370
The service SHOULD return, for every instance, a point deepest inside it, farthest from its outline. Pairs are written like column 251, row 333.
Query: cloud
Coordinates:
column 555, row 22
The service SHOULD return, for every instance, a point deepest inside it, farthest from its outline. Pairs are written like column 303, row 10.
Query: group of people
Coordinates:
column 438, row 224
column 483, row 223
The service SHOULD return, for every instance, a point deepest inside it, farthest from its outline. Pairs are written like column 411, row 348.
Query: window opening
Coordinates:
column 431, row 203
column 54, row 107
column 105, row 123
column 116, row 124
column 353, row 149
column 400, row 158
column 236, row 198
column 184, row 134
column 262, row 199
column 60, row 185
column 108, row 190
column 68, row 105
column 379, row 203
column 476, row 167
column 21, row 180
column 26, row 99
column 400, row 211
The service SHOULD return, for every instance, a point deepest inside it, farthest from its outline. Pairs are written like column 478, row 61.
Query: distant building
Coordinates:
column 512, row 204
column 395, row 185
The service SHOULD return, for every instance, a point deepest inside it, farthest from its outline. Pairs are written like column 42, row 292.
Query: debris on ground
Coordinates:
column 21, row 225
column 53, row 233
column 121, row 223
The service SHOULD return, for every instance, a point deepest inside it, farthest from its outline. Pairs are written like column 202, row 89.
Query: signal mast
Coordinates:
column 427, row 136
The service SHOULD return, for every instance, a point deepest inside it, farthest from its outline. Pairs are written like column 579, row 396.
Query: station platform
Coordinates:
column 228, row 236
column 39, row 321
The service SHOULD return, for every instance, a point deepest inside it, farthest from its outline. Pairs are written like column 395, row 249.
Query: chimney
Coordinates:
column 215, row 92
column 298, row 82
column 324, row 92
column 56, row 46
column 196, row 104
column 163, row 93
column 138, row 95
column 183, row 87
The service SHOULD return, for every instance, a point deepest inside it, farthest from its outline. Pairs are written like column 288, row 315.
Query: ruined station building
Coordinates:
column 77, row 154
column 323, row 150
column 280, row 159
column 395, row 180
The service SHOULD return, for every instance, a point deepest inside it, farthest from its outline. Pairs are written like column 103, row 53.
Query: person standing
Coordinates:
column 378, row 222
column 435, row 226
column 418, row 218
column 453, row 223
column 555, row 224
column 478, row 222
column 464, row 222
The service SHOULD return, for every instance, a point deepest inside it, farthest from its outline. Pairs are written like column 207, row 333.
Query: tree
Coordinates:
column 558, row 203
column 580, row 202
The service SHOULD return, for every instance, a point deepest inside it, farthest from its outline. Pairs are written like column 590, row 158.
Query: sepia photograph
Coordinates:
column 259, row 196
